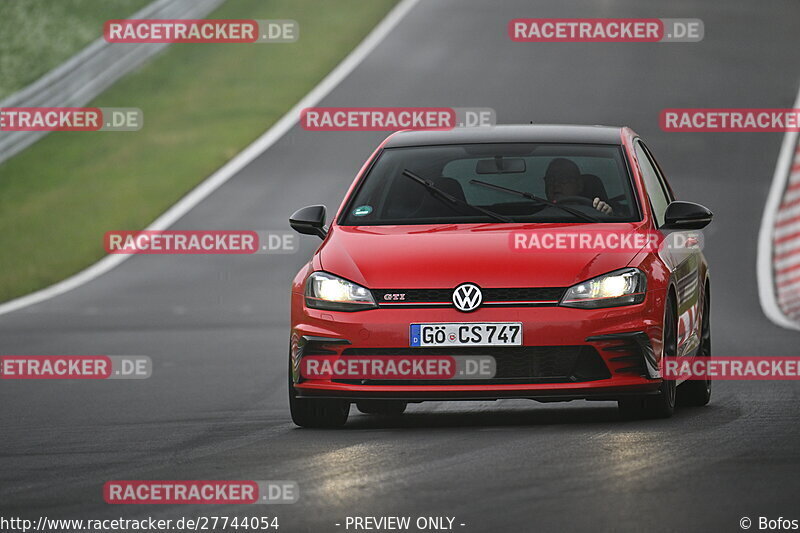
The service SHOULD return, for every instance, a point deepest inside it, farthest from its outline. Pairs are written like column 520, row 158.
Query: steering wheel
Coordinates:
column 580, row 200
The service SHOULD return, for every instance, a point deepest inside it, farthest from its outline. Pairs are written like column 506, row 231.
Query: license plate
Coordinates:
column 467, row 334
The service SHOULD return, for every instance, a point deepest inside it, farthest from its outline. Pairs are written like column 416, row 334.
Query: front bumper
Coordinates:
column 626, row 342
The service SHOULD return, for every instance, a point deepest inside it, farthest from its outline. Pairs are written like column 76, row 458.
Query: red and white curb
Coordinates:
column 779, row 239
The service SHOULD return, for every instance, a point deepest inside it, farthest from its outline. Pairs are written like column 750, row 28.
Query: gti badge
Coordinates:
column 467, row 297
column 394, row 296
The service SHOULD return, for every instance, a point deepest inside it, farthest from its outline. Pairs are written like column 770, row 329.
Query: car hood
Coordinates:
column 443, row 256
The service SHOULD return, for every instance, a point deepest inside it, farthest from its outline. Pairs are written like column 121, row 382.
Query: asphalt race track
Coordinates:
column 217, row 327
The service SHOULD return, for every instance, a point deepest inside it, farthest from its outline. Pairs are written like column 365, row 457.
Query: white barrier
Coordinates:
column 92, row 70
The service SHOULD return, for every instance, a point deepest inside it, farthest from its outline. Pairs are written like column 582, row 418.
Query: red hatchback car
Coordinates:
column 421, row 261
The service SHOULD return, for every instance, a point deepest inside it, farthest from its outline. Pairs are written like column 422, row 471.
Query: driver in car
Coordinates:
column 563, row 179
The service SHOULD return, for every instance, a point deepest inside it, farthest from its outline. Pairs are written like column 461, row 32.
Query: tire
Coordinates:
column 382, row 407
column 631, row 408
column 661, row 405
column 697, row 393
column 314, row 412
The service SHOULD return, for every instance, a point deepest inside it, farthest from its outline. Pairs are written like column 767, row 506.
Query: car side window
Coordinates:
column 660, row 173
column 659, row 198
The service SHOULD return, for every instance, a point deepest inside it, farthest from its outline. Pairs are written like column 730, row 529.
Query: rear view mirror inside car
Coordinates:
column 500, row 165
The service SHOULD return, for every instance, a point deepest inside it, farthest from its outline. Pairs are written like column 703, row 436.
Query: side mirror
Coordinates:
column 686, row 215
column 309, row 221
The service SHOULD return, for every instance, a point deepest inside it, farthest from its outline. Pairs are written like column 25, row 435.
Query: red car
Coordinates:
column 430, row 256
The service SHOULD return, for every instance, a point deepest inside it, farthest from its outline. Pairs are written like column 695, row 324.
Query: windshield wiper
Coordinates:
column 436, row 192
column 538, row 200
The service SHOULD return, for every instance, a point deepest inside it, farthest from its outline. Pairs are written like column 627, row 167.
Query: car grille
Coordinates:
column 515, row 365
column 531, row 296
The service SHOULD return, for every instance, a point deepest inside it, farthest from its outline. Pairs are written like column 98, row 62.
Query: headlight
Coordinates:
column 621, row 287
column 326, row 291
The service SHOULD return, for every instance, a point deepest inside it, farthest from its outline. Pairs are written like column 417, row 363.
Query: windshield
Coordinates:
column 574, row 177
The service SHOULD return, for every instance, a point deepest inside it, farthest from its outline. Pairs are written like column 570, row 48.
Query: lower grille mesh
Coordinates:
column 515, row 365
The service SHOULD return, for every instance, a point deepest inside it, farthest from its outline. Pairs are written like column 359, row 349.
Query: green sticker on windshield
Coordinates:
column 362, row 210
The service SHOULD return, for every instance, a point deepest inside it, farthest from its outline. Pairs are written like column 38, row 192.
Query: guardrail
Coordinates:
column 88, row 73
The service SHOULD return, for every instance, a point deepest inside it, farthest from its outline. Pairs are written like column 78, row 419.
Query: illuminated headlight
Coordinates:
column 621, row 287
column 326, row 291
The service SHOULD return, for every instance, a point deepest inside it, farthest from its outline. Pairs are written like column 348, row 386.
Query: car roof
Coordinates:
column 555, row 133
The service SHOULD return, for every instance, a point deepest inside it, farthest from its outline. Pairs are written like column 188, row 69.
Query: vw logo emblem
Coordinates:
column 467, row 297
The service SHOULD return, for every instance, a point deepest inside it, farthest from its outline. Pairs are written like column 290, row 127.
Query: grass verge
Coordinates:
column 202, row 104
column 38, row 35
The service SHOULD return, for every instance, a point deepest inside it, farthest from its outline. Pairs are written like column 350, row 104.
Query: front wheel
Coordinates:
column 661, row 405
column 382, row 407
column 697, row 392
column 316, row 412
